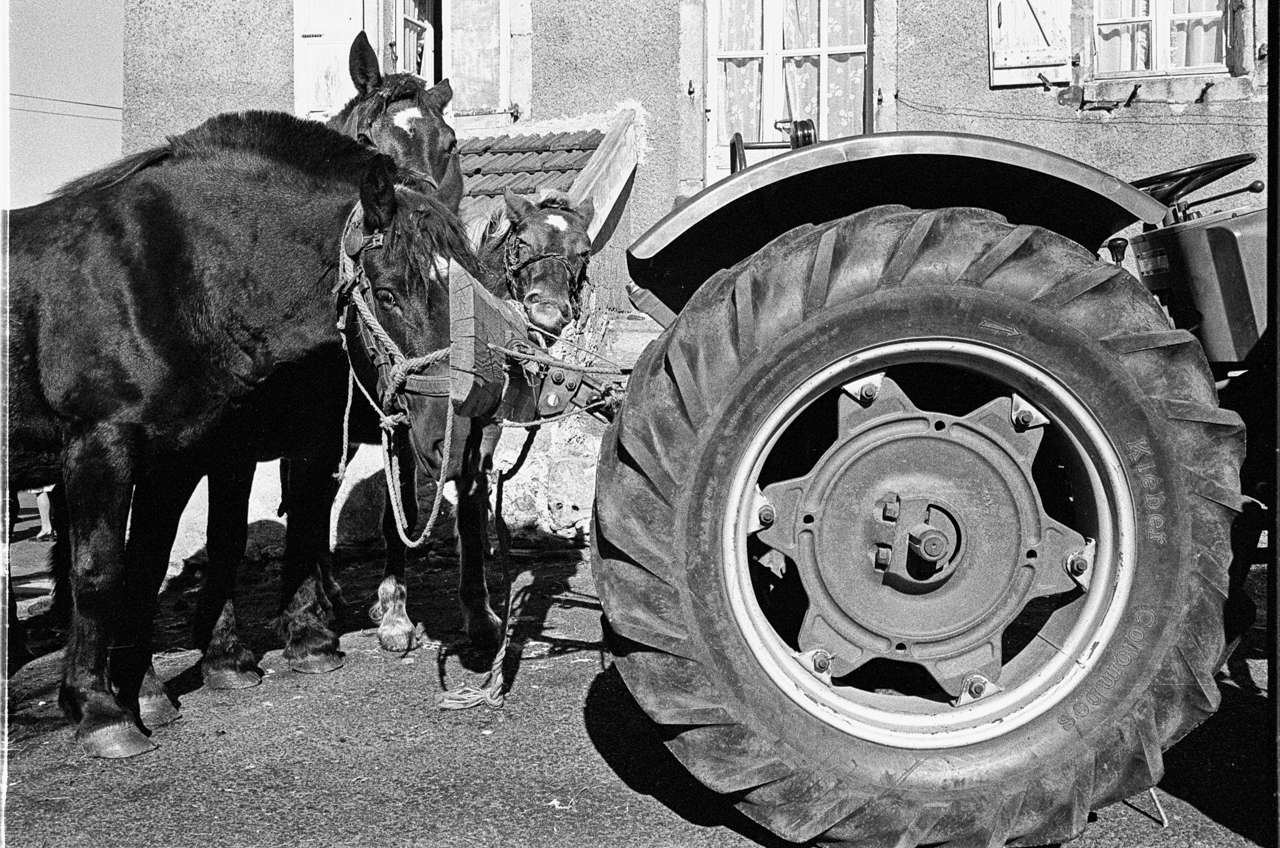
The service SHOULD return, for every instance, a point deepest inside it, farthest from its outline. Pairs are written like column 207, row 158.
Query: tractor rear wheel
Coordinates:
column 915, row 527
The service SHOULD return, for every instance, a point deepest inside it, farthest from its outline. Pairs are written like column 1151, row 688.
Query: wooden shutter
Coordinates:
column 478, row 61
column 1029, row 38
column 323, row 32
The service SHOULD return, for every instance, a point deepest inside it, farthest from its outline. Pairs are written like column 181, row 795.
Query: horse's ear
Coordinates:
column 586, row 211
column 378, row 193
column 439, row 95
column 517, row 207
column 363, row 63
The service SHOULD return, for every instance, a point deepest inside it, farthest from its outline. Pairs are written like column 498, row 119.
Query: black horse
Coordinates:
column 153, row 304
column 401, row 116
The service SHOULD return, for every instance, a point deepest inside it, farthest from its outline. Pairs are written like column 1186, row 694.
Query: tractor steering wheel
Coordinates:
column 1172, row 186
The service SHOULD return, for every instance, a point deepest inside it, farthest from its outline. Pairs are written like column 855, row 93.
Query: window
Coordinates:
column 416, row 44
column 1143, row 37
column 774, row 61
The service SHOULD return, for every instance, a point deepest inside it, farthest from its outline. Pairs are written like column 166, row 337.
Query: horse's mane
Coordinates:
column 307, row 146
column 431, row 230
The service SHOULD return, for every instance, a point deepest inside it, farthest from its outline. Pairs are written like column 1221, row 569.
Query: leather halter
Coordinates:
column 397, row 374
column 514, row 265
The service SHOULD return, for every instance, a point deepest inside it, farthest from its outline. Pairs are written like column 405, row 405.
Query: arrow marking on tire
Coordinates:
column 988, row 324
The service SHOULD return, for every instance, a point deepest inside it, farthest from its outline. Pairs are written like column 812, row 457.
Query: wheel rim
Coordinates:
column 921, row 549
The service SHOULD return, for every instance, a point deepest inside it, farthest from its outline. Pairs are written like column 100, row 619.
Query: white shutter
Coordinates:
column 1029, row 38
column 323, row 32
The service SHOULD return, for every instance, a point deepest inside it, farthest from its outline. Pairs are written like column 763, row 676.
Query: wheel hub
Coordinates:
column 919, row 536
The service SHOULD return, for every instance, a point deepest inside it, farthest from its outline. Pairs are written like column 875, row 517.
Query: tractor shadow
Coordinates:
column 1225, row 768
column 631, row 745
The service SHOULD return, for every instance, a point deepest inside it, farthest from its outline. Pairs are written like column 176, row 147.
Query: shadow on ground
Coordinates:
column 630, row 743
column 1225, row 768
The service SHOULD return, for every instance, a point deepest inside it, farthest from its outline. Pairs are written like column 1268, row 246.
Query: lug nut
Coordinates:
column 1077, row 565
column 1024, row 418
column 767, row 515
column 821, row 662
column 891, row 508
column 977, row 686
column 557, row 377
column 868, row 392
column 884, row 554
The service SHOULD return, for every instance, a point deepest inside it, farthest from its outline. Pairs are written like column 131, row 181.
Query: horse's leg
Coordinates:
column 482, row 626
column 158, row 502
column 227, row 664
column 395, row 629
column 310, row 646
column 331, row 597
column 97, row 468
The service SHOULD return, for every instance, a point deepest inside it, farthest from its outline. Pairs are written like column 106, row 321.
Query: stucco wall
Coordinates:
column 184, row 62
column 942, row 83
column 588, row 56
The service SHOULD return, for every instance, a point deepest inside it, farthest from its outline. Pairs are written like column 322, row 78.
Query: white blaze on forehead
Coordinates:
column 558, row 222
column 405, row 116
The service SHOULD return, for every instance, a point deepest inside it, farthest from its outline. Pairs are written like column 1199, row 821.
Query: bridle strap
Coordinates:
column 514, row 266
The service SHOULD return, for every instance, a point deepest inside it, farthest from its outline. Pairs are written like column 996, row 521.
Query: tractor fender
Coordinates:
column 731, row 220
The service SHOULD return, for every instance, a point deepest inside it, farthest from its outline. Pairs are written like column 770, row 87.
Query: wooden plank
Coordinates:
column 478, row 374
column 607, row 172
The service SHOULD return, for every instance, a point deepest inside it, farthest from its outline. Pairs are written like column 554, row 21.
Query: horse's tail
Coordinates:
column 117, row 171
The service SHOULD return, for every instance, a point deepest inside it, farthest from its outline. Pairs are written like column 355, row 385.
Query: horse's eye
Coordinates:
column 385, row 298
column 365, row 139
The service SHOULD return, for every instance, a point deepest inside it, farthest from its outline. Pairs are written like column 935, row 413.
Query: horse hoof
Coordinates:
column 396, row 641
column 485, row 631
column 227, row 678
column 157, row 711
column 319, row 664
column 115, row 742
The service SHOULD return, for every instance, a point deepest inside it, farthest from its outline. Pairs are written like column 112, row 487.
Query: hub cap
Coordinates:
column 916, row 561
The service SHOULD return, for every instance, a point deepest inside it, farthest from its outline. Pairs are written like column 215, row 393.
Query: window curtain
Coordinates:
column 800, row 73
column 1196, row 41
column 741, row 28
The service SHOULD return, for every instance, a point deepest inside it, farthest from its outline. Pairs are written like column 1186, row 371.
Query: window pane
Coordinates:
column 1196, row 42
column 799, row 24
column 1110, row 9
column 741, row 25
column 846, row 23
column 1181, row 7
column 846, row 84
column 1124, row 47
column 740, row 98
column 800, row 76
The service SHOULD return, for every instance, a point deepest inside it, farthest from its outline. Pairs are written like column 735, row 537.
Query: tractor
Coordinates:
column 916, row 523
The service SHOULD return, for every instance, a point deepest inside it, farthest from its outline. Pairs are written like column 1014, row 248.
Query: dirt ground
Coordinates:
column 363, row 756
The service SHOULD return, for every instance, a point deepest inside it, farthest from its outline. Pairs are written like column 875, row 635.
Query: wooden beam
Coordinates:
column 608, row 170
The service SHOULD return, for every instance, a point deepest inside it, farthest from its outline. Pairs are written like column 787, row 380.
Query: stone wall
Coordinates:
column 938, row 79
column 184, row 62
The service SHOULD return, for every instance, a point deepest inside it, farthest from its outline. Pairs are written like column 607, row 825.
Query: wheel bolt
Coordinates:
column 767, row 515
column 977, row 686
column 891, row 508
column 557, row 377
column 884, row 554
column 821, row 662
column 1077, row 565
column 868, row 392
column 1024, row 418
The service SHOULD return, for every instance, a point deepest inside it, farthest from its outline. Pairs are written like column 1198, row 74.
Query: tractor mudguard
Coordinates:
column 736, row 217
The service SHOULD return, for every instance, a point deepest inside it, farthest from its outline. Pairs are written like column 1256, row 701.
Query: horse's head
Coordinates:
column 404, row 118
column 545, row 253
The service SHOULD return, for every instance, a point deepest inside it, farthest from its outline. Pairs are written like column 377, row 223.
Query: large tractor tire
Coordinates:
column 915, row 528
